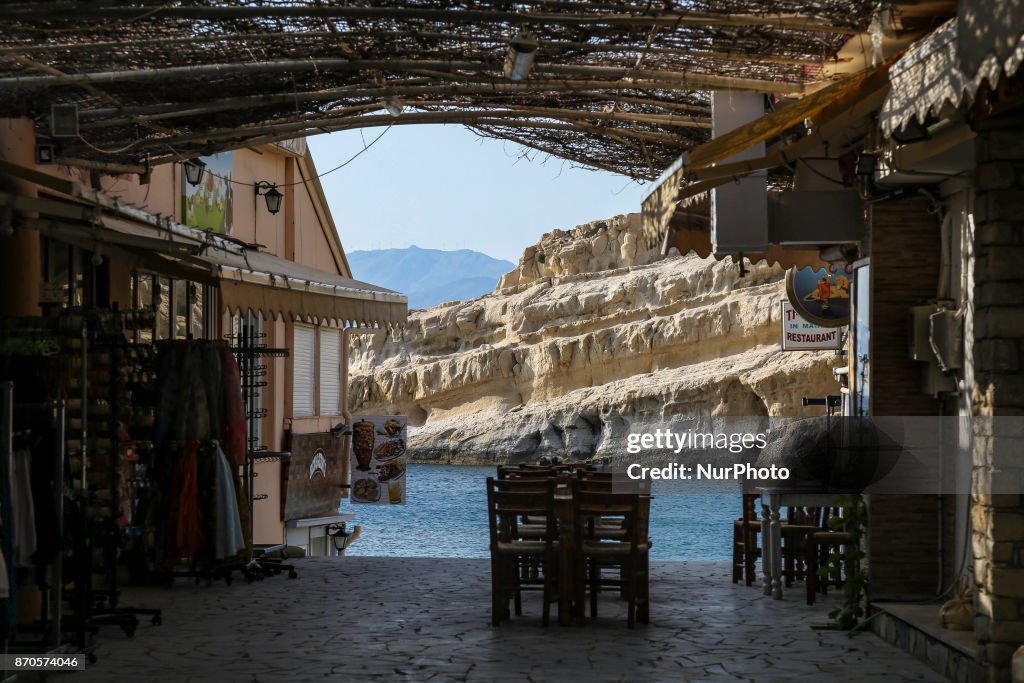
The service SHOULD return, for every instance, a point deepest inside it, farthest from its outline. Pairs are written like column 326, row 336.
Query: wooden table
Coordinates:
column 773, row 499
column 567, row 553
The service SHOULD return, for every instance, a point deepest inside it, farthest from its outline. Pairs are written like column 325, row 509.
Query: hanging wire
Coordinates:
column 316, row 177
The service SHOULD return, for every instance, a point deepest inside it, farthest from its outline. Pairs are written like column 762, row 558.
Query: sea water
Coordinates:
column 446, row 516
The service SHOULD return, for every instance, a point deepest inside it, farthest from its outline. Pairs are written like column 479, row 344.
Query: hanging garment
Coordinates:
column 187, row 518
column 23, row 508
column 230, row 538
column 233, row 431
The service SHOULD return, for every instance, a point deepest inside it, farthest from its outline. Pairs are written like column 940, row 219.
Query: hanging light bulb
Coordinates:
column 97, row 256
column 393, row 106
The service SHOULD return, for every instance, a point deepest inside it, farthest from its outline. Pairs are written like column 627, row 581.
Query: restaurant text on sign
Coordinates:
column 799, row 335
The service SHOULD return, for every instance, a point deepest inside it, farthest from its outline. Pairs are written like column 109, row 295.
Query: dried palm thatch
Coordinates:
column 617, row 85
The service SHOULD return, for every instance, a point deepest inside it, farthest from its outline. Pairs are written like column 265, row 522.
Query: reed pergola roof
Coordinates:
column 617, row 85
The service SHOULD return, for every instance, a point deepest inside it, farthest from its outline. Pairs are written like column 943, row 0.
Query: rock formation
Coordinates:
column 588, row 332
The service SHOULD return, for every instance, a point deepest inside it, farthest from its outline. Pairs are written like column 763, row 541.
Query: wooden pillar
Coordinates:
column 19, row 252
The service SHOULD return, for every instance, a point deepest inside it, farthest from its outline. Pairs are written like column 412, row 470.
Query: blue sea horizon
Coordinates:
column 446, row 516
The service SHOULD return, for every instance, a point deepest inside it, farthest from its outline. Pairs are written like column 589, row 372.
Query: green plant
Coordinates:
column 540, row 257
column 854, row 522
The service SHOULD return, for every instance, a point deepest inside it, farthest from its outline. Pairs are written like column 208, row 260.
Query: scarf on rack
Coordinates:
column 233, row 429
column 186, row 510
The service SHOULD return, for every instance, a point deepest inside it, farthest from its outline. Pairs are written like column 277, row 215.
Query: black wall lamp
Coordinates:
column 270, row 195
column 194, row 169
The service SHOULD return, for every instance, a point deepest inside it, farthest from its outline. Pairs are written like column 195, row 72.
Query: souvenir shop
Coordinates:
column 127, row 412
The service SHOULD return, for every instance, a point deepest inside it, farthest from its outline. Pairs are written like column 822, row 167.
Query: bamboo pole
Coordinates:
column 510, row 119
column 24, row 12
column 205, row 71
column 604, row 47
column 102, row 118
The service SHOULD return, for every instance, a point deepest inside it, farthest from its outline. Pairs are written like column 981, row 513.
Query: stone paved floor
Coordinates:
column 384, row 619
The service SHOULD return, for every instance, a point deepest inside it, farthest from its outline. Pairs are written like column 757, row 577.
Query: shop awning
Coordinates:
column 248, row 279
column 931, row 76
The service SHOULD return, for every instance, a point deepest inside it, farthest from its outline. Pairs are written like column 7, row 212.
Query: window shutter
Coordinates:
column 330, row 372
column 303, row 379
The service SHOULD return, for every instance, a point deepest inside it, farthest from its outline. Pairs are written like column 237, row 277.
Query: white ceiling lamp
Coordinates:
column 522, row 52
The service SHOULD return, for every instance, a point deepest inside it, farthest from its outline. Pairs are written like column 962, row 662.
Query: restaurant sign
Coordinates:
column 378, row 469
column 820, row 296
column 800, row 335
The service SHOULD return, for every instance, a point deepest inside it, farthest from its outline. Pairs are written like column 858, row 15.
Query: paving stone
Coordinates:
column 428, row 619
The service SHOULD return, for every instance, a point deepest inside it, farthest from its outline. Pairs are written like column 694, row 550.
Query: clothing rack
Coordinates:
column 249, row 352
column 51, row 623
column 100, row 335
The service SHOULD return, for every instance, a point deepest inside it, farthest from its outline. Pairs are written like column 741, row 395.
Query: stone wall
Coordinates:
column 998, row 390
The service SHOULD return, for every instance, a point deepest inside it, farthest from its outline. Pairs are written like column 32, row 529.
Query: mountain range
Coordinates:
column 429, row 276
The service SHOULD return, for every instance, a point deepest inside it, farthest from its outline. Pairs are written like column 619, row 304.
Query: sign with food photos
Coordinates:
column 379, row 460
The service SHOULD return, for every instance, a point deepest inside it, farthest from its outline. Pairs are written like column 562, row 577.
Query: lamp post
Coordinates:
column 270, row 195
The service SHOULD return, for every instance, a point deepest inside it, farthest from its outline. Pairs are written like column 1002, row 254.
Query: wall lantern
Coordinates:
column 270, row 194
column 521, row 53
column 194, row 169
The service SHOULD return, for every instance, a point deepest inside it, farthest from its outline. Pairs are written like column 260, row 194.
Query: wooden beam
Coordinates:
column 693, row 81
column 836, row 96
column 604, row 47
column 510, row 119
column 829, row 123
column 412, row 88
column 104, row 166
column 670, row 120
column 76, row 12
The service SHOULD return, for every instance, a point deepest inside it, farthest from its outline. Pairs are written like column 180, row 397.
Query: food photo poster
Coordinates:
column 379, row 465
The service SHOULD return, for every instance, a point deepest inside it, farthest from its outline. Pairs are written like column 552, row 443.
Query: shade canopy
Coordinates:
column 620, row 85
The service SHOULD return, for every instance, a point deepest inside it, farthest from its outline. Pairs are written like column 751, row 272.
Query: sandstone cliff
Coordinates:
column 588, row 331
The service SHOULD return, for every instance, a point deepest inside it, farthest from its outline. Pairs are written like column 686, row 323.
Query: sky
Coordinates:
column 444, row 187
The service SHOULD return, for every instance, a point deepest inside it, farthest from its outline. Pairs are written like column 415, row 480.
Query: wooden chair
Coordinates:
column 628, row 549
column 818, row 546
column 745, row 533
column 798, row 524
column 507, row 505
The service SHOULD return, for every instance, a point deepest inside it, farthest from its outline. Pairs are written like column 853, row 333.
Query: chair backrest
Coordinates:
column 522, row 484
column 590, row 505
column 603, row 481
column 508, row 502
column 518, row 471
column 750, row 507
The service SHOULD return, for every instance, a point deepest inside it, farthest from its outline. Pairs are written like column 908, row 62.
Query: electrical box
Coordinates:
column 920, row 333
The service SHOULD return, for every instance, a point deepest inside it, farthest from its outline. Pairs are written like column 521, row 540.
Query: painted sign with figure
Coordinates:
column 800, row 335
column 208, row 205
column 820, row 296
column 312, row 481
column 378, row 468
